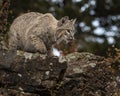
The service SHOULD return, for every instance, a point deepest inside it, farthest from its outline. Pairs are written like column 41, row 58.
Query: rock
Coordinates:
column 76, row 74
column 11, row 92
column 88, row 75
column 30, row 75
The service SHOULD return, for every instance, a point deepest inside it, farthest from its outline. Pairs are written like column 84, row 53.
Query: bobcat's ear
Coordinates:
column 73, row 21
column 62, row 20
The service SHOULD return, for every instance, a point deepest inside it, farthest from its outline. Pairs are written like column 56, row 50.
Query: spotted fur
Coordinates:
column 37, row 32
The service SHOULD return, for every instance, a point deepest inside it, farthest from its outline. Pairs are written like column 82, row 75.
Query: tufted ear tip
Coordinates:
column 66, row 18
column 73, row 20
column 63, row 20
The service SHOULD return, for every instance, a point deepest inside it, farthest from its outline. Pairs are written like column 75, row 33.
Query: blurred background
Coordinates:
column 97, row 26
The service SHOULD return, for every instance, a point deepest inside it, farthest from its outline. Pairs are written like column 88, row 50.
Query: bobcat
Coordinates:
column 37, row 32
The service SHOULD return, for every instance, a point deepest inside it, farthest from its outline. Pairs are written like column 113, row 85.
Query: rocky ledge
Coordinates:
column 76, row 74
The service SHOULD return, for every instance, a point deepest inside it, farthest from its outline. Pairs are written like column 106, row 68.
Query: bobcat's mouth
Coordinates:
column 69, row 39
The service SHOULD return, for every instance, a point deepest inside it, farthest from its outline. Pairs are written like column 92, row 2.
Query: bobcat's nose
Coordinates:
column 71, row 38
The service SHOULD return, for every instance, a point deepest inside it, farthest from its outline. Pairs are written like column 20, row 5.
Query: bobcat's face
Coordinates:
column 65, row 30
column 66, row 34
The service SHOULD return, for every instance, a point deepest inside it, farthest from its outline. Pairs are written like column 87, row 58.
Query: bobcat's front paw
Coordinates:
column 41, row 49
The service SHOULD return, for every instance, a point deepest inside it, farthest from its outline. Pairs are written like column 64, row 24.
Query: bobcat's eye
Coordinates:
column 68, row 31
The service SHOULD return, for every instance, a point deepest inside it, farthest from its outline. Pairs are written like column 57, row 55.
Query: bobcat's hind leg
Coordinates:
column 12, row 51
column 38, row 44
column 12, row 45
